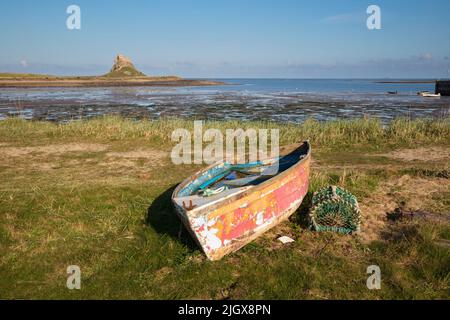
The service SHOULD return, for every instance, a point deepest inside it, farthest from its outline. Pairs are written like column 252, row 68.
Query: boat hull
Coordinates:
column 233, row 223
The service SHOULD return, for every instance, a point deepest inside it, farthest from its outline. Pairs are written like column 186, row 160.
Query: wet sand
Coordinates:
column 137, row 103
column 240, row 99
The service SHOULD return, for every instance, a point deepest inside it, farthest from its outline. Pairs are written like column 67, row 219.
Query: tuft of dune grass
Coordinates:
column 327, row 134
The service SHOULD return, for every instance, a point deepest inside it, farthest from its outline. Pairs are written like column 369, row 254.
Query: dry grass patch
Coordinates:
column 421, row 154
column 410, row 193
column 153, row 156
column 53, row 149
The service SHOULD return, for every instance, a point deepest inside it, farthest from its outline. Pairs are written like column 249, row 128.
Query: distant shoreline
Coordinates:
column 35, row 81
column 407, row 81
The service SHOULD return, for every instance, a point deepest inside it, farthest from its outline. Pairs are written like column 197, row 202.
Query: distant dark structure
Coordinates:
column 443, row 87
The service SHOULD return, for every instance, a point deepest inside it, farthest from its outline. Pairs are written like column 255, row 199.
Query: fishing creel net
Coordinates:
column 335, row 209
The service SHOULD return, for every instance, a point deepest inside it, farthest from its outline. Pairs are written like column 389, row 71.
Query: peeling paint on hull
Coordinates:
column 229, row 225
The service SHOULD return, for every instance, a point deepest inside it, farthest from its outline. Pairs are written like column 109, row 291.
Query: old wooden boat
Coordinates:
column 225, row 206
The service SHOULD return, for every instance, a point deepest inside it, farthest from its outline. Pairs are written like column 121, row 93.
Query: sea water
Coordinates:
column 292, row 100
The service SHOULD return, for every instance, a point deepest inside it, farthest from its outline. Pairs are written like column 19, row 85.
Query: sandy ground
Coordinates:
column 410, row 193
column 45, row 158
column 53, row 149
column 422, row 154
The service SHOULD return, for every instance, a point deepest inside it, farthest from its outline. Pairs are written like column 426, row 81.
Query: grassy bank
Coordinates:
column 402, row 131
column 25, row 80
column 97, row 194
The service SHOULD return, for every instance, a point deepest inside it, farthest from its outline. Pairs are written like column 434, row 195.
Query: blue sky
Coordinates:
column 228, row 38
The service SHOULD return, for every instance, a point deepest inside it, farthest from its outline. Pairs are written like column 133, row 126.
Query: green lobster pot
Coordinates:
column 335, row 209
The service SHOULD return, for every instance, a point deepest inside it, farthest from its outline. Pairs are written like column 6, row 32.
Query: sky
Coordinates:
column 229, row 38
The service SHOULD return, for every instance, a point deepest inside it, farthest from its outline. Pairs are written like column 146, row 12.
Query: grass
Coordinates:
column 322, row 134
column 108, row 211
column 127, row 73
column 7, row 75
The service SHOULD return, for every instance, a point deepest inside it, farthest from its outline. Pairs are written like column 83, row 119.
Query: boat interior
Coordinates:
column 225, row 180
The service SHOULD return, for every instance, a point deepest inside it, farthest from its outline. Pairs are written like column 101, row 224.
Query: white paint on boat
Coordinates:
column 260, row 218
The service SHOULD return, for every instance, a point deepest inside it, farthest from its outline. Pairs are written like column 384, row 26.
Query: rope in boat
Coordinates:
column 211, row 192
column 335, row 209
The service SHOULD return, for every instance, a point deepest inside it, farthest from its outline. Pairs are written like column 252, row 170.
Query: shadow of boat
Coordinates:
column 301, row 216
column 162, row 218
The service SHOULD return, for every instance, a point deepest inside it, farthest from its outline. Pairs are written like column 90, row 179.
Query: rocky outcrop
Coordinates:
column 123, row 67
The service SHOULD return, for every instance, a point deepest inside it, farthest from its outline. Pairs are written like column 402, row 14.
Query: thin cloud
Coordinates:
column 343, row 18
column 185, row 64
column 426, row 57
